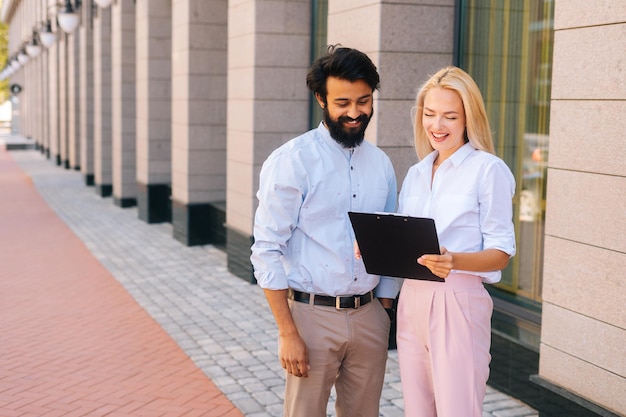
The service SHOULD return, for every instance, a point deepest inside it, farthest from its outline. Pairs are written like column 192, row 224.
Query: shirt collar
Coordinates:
column 455, row 159
column 463, row 152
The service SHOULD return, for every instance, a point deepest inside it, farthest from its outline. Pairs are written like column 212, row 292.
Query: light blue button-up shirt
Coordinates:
column 470, row 198
column 303, row 238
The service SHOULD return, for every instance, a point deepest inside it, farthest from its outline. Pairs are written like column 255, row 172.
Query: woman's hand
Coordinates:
column 440, row 265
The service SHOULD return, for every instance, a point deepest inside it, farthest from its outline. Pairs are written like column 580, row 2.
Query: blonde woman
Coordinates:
column 444, row 328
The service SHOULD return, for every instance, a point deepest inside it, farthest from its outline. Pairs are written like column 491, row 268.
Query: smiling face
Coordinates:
column 443, row 120
column 347, row 110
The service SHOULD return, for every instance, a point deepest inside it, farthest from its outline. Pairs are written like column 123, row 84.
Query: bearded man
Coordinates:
column 330, row 313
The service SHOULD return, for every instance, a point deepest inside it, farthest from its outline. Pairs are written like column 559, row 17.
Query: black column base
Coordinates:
column 153, row 202
column 90, row 180
column 58, row 160
column 124, row 202
column 238, row 251
column 104, row 190
column 575, row 399
column 512, row 366
column 199, row 223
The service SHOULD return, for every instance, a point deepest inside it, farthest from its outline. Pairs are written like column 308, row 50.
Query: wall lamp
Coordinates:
column 67, row 15
column 15, row 64
column 22, row 56
column 46, row 35
column 33, row 47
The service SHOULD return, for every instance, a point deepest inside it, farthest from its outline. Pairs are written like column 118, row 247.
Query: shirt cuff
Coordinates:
column 388, row 287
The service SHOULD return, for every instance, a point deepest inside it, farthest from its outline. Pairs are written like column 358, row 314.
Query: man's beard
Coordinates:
column 348, row 138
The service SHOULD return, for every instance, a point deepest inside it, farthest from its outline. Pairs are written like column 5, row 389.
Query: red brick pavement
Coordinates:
column 72, row 341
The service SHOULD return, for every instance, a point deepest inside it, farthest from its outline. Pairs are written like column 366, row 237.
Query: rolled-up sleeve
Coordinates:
column 496, row 208
column 280, row 197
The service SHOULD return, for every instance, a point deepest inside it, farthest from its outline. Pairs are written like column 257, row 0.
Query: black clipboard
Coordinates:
column 390, row 244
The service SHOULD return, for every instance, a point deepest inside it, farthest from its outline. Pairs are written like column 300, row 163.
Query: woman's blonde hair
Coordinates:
column 477, row 129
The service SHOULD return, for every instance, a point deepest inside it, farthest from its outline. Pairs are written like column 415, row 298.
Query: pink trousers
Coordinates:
column 443, row 336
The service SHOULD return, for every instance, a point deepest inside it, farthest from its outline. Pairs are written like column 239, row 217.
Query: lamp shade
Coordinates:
column 104, row 3
column 33, row 48
column 47, row 38
column 68, row 21
column 22, row 57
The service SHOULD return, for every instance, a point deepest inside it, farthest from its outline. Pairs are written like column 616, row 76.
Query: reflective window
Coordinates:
column 506, row 45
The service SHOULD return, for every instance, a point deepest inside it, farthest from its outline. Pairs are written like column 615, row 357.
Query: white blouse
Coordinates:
column 471, row 200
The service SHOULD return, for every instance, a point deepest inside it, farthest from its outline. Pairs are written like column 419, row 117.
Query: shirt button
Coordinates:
column 353, row 195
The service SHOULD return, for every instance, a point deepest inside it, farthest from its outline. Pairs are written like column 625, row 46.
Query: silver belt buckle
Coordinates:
column 356, row 304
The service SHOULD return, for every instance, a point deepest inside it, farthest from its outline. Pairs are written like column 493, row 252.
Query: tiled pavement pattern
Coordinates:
column 73, row 342
column 221, row 322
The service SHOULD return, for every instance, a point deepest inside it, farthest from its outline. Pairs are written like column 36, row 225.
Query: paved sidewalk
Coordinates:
column 221, row 322
column 72, row 340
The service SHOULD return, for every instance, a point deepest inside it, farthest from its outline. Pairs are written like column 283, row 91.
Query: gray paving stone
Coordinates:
column 519, row 411
column 233, row 339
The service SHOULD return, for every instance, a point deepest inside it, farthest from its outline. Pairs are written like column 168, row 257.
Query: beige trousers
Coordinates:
column 444, row 335
column 347, row 348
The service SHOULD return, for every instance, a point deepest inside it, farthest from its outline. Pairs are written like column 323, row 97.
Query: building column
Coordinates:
column 86, row 91
column 73, row 94
column 28, row 95
column 36, row 98
column 62, row 41
column 199, row 37
column 123, row 102
column 103, row 174
column 583, row 324
column 267, row 104
column 53, row 101
column 154, row 119
column 45, row 99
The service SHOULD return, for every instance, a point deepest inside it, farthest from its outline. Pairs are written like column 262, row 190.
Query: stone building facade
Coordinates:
column 173, row 105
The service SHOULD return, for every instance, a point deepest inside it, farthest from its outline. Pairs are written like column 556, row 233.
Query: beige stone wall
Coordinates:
column 61, row 43
column 268, row 56
column 73, row 93
column 53, row 100
column 102, row 97
column 154, row 70
column 86, row 98
column 198, row 101
column 123, row 101
column 583, row 321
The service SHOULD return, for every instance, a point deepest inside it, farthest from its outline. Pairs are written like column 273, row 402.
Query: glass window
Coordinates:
column 506, row 45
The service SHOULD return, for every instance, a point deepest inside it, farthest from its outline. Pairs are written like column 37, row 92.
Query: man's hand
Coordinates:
column 292, row 351
column 294, row 356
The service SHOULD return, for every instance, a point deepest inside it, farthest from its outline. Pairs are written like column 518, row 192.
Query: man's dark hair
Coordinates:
column 343, row 63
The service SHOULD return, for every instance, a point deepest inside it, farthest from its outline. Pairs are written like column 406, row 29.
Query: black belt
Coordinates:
column 339, row 302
